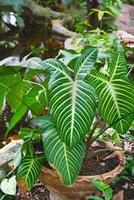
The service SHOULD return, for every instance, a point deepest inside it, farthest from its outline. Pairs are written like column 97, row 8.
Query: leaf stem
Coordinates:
column 110, row 126
column 92, row 132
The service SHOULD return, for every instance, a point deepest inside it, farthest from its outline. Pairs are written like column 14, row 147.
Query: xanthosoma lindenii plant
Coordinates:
column 74, row 95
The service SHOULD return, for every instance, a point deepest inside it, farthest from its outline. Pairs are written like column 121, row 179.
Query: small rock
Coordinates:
column 8, row 152
column 126, row 186
column 54, row 196
column 119, row 195
column 125, row 21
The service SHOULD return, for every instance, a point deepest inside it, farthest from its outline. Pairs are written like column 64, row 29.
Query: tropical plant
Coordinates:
column 107, row 43
column 103, row 187
column 75, row 92
column 113, row 6
column 20, row 92
column 128, row 1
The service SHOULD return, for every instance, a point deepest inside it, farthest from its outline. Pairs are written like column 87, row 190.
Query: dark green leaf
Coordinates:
column 108, row 193
column 115, row 94
column 36, row 99
column 26, row 133
column 95, row 198
column 30, row 134
column 67, row 161
column 20, row 112
column 85, row 63
column 16, row 93
column 28, row 171
column 72, row 105
column 100, row 185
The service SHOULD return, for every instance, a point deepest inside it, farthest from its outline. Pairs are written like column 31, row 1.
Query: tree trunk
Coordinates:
column 93, row 19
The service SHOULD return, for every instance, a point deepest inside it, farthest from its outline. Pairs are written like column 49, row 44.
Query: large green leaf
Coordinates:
column 72, row 105
column 85, row 63
column 35, row 100
column 9, row 80
column 48, row 65
column 117, row 68
column 67, row 161
column 18, row 90
column 28, row 171
column 53, row 65
column 8, row 77
column 116, row 95
column 32, row 63
column 20, row 112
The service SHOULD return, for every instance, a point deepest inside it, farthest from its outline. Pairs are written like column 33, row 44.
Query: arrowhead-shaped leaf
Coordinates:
column 72, row 105
column 117, row 66
column 67, row 161
column 28, row 171
column 19, row 89
column 115, row 94
column 85, row 63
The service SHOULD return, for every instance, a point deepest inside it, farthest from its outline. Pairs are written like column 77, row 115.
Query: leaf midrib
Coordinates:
column 74, row 91
column 111, row 88
column 66, row 160
column 113, row 93
column 115, row 68
column 29, row 169
column 61, row 71
column 83, row 64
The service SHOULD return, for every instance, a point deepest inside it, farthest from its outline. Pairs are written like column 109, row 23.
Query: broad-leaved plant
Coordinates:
column 75, row 91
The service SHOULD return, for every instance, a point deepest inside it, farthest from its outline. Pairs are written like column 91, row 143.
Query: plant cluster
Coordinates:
column 71, row 92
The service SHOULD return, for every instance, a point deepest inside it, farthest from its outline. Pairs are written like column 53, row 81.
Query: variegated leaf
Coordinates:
column 67, row 161
column 117, row 67
column 85, row 63
column 48, row 65
column 116, row 99
column 72, row 105
column 28, row 171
